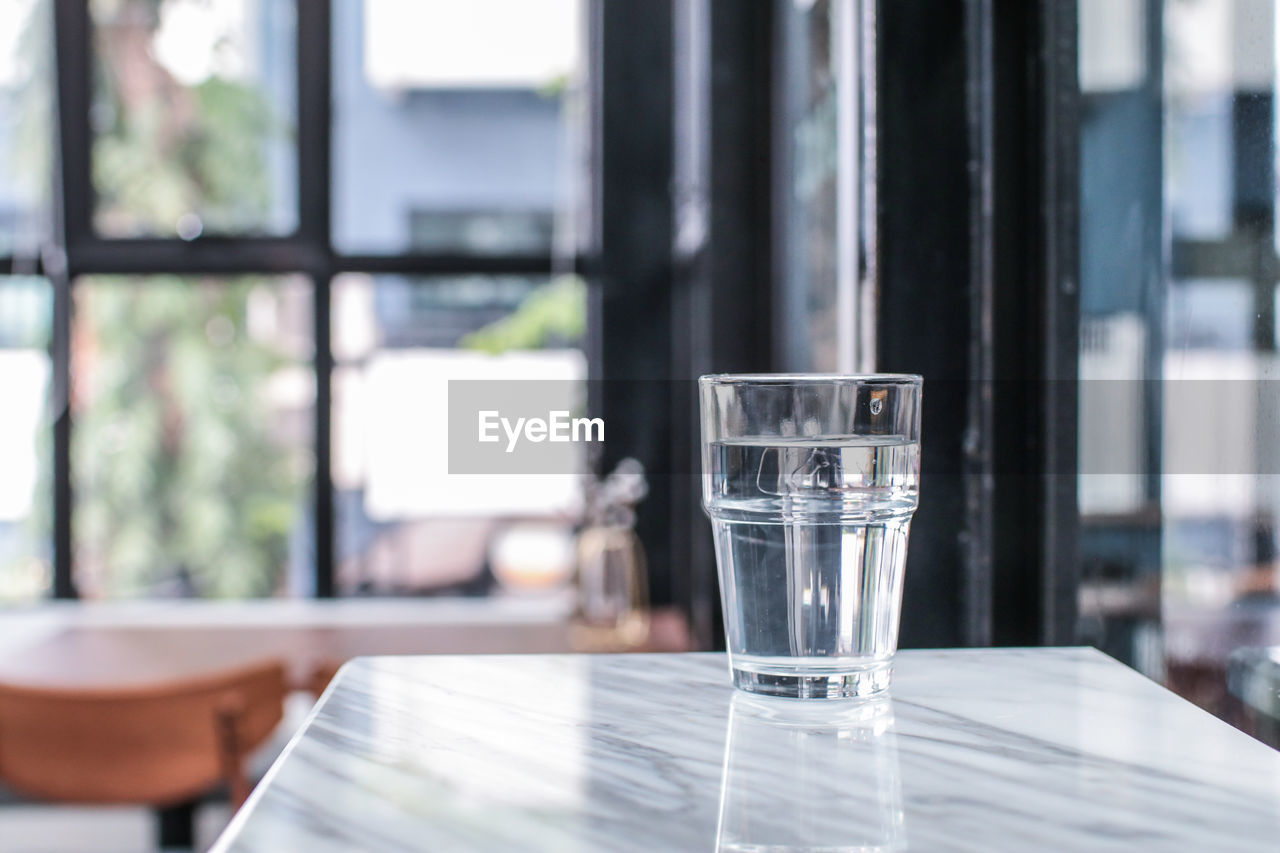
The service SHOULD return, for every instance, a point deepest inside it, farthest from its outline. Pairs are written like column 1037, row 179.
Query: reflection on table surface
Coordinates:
column 833, row 772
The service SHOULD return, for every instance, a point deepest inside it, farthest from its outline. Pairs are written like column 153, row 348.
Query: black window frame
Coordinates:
column 981, row 92
column 77, row 250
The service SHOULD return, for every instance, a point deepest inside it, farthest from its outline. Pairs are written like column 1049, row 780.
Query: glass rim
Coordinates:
column 900, row 379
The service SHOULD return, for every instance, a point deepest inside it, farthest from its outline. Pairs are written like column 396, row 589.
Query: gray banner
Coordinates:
column 520, row 427
column 1126, row 427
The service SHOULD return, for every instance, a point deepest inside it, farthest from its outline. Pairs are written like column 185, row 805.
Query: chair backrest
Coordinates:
column 155, row 745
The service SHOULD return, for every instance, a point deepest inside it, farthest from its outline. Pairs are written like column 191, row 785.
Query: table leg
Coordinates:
column 175, row 826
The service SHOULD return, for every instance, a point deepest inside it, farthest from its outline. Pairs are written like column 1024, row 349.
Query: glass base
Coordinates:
column 857, row 684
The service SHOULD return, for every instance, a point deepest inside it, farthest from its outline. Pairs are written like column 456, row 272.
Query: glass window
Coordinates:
column 26, row 141
column 457, row 127
column 827, row 209
column 404, row 524
column 194, row 117
column 25, row 439
column 192, row 404
column 1178, row 403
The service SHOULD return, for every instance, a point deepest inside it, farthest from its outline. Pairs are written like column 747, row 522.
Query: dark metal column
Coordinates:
column 73, row 205
column 931, row 297
column 632, row 105
column 1037, row 322
column 721, row 290
column 314, row 214
column 978, row 292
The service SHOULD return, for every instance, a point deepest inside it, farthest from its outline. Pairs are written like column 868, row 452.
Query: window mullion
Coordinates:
column 314, row 203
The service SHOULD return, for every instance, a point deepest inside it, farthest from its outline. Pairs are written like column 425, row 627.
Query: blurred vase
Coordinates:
column 613, row 588
column 613, row 581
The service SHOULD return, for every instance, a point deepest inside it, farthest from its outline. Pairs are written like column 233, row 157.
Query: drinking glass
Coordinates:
column 810, row 482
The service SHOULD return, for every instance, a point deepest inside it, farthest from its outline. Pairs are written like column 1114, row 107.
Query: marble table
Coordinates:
column 982, row 750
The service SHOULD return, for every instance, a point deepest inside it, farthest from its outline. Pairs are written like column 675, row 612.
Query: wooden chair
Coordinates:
column 321, row 674
column 158, row 745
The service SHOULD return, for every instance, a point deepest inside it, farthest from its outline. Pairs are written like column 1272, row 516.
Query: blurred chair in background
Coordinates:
column 320, row 676
column 163, row 745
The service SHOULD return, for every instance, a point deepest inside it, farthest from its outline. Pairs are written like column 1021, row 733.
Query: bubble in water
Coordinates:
column 876, row 405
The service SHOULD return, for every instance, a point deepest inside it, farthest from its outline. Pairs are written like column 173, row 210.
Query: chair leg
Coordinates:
column 230, row 713
column 176, row 826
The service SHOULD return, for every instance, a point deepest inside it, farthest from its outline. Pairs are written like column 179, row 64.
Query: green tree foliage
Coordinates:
column 148, row 173
column 554, row 314
column 181, row 487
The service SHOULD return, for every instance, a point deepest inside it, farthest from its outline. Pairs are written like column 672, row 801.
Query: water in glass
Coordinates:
column 825, row 519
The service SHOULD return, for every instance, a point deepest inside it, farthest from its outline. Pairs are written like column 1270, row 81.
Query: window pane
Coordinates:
column 457, row 126
column 191, row 451
column 194, row 117
column 26, row 143
column 25, row 439
column 808, row 144
column 1179, row 496
column 404, row 524
column 826, row 220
